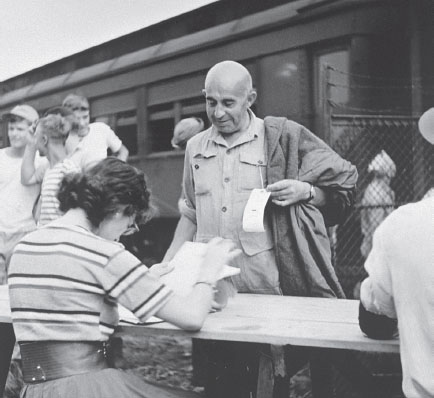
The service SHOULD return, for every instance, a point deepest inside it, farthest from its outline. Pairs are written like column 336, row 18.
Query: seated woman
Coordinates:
column 67, row 277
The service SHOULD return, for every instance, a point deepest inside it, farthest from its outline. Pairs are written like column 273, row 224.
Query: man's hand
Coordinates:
column 288, row 192
column 31, row 140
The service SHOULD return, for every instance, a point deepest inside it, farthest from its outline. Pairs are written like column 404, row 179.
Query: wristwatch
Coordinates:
column 312, row 193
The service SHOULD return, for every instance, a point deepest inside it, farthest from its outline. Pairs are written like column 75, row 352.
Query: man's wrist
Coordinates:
column 311, row 193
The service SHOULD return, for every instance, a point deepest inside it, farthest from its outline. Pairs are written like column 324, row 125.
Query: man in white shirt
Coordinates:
column 17, row 201
column 90, row 144
column 401, row 286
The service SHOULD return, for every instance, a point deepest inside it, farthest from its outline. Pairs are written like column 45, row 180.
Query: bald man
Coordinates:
column 241, row 152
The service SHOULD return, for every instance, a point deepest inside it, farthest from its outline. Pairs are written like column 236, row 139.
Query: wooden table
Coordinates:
column 278, row 320
column 301, row 321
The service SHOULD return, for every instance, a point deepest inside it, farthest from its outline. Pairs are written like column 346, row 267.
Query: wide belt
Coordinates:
column 50, row 360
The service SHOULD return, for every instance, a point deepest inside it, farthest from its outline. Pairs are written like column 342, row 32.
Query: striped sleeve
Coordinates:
column 129, row 281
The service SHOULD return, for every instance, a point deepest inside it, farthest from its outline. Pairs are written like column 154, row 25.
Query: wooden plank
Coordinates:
column 314, row 322
column 301, row 321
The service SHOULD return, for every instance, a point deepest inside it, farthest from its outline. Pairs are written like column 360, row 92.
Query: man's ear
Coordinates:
column 45, row 139
column 251, row 97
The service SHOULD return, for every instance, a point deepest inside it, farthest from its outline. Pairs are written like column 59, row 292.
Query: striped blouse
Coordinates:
column 65, row 282
column 50, row 187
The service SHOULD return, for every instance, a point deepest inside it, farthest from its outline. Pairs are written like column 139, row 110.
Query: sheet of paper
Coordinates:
column 125, row 315
column 186, row 267
column 253, row 216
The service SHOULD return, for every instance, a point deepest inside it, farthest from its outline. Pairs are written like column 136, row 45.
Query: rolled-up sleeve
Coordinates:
column 376, row 292
column 188, row 210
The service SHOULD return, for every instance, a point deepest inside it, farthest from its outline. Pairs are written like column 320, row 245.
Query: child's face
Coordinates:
column 17, row 132
column 83, row 119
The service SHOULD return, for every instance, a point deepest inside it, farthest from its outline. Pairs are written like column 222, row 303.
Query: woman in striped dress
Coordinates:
column 66, row 279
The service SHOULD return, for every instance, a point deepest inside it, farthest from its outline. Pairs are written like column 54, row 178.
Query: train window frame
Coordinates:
column 319, row 73
column 122, row 119
column 172, row 112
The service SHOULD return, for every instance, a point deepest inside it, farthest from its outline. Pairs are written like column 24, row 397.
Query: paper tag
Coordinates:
column 253, row 217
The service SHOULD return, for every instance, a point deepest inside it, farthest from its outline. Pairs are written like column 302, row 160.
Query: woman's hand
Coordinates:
column 161, row 269
column 219, row 252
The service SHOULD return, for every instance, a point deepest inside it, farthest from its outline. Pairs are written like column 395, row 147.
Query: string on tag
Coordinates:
column 260, row 175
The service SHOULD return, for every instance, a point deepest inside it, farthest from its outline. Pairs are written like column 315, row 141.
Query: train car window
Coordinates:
column 124, row 124
column 285, row 91
column 126, row 130
column 338, row 88
column 161, row 132
column 195, row 107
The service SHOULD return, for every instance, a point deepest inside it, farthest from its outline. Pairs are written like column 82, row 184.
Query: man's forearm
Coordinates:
column 376, row 326
column 123, row 153
column 28, row 166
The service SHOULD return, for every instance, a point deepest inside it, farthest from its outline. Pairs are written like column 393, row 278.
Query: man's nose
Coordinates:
column 219, row 111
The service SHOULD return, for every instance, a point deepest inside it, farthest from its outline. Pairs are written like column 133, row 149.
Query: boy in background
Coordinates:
column 17, row 201
column 93, row 139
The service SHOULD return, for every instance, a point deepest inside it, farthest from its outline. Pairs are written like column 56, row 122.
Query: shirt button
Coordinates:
column 228, row 151
column 196, row 166
column 224, row 209
column 227, row 179
column 260, row 162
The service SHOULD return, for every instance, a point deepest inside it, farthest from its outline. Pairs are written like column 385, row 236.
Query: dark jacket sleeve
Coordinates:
column 339, row 205
column 376, row 326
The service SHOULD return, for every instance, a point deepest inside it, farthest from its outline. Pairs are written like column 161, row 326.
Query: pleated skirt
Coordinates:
column 106, row 383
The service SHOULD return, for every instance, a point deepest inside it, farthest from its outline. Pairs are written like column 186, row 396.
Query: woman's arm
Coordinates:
column 190, row 312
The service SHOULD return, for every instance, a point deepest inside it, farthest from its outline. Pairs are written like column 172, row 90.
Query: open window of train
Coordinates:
column 119, row 112
column 126, row 130
column 331, row 84
column 331, row 77
column 124, row 124
column 161, row 124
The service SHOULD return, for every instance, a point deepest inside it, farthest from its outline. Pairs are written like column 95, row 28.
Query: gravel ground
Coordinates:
column 160, row 359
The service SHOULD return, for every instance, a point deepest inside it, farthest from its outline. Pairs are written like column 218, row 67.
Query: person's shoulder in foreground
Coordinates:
column 400, row 285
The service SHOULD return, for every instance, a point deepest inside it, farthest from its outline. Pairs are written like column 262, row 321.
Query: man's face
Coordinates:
column 226, row 105
column 83, row 119
column 17, row 132
column 41, row 141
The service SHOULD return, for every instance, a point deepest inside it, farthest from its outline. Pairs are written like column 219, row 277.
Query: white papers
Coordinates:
column 125, row 315
column 186, row 267
column 253, row 216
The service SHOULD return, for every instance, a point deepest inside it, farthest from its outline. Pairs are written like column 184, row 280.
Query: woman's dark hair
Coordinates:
column 105, row 188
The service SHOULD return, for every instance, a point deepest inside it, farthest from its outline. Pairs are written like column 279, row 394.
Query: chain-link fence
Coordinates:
column 395, row 165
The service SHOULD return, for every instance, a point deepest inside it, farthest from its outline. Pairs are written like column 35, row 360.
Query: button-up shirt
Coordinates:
column 218, row 181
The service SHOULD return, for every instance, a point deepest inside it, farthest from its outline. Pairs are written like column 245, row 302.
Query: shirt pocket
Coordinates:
column 251, row 171
column 205, row 171
column 255, row 242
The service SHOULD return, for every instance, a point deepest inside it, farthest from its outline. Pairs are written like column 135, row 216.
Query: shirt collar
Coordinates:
column 252, row 131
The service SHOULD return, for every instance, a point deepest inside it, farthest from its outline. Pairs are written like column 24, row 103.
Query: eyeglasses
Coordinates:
column 131, row 229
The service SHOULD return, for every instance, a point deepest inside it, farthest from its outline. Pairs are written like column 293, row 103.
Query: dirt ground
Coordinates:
column 160, row 359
